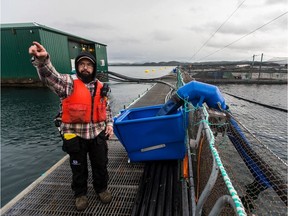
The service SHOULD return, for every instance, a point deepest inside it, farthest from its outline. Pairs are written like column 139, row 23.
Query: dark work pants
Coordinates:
column 98, row 154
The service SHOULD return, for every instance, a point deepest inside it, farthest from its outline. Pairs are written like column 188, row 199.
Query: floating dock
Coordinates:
column 51, row 194
column 162, row 188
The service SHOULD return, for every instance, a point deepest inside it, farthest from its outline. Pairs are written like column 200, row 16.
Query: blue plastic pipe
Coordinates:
column 249, row 156
column 263, row 173
column 197, row 93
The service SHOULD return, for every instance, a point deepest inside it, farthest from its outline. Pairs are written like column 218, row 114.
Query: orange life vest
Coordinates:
column 81, row 107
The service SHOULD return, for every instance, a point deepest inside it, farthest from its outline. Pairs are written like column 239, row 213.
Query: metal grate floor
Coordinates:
column 53, row 195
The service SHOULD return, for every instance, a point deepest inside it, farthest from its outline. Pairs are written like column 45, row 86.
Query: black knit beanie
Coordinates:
column 90, row 57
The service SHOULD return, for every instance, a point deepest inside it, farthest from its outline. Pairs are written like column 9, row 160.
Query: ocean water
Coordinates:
column 269, row 125
column 30, row 143
column 272, row 95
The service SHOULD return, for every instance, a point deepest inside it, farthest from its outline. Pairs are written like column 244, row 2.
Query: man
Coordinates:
column 86, row 121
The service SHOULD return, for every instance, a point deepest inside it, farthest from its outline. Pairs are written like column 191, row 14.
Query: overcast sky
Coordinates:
column 165, row 30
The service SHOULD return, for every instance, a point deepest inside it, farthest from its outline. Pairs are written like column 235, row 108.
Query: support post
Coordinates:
column 252, row 67
column 260, row 66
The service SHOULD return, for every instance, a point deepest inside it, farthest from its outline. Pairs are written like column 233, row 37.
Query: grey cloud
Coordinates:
column 239, row 29
column 273, row 2
column 242, row 28
column 126, row 40
column 152, row 30
column 248, row 44
column 84, row 25
column 160, row 35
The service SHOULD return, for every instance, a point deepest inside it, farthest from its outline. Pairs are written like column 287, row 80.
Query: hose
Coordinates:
column 265, row 105
column 124, row 78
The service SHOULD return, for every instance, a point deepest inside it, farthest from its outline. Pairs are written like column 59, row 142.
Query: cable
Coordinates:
column 245, row 35
column 216, row 31
column 138, row 80
column 261, row 104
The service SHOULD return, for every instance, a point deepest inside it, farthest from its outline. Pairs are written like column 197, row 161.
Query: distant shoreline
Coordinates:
column 201, row 64
column 237, row 81
column 147, row 64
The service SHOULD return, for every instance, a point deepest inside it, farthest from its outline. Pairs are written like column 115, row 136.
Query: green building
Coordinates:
column 16, row 38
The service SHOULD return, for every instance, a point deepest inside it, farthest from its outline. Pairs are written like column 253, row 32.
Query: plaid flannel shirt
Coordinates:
column 62, row 85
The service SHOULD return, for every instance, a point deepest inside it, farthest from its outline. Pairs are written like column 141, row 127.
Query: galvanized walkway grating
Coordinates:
column 53, row 195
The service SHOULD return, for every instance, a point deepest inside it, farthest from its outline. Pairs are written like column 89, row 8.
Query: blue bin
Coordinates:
column 146, row 136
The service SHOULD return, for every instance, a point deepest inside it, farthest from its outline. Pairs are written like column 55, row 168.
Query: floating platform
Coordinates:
column 51, row 194
column 161, row 187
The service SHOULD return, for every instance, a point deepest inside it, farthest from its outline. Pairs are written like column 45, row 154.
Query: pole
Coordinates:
column 260, row 66
column 252, row 67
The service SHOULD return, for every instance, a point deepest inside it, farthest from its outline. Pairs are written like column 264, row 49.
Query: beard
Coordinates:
column 86, row 77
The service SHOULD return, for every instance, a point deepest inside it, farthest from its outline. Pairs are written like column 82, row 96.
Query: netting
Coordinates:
column 258, row 175
column 249, row 150
column 251, row 143
column 206, row 159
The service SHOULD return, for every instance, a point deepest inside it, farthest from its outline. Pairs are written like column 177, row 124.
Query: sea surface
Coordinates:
column 30, row 143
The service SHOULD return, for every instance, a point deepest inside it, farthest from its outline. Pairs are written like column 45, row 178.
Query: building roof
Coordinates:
column 39, row 26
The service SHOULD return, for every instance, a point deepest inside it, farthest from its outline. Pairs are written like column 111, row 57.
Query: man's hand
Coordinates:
column 109, row 131
column 38, row 51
